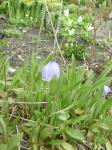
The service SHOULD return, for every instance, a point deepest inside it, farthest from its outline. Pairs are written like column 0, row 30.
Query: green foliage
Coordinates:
column 101, row 2
column 3, row 65
column 79, row 50
column 24, row 12
column 13, row 32
column 3, row 42
column 76, row 34
column 75, row 134
column 9, row 142
column 61, row 113
column 55, row 109
column 3, row 7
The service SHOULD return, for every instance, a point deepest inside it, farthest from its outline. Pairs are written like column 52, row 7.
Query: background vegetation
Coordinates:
column 67, row 113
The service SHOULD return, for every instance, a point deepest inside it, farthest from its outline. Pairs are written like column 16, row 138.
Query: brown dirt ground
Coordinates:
column 43, row 45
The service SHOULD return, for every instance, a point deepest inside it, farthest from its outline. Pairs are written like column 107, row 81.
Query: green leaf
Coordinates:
column 3, row 146
column 73, row 71
column 108, row 145
column 106, row 70
column 76, row 134
column 46, row 132
column 108, row 121
column 100, row 139
column 56, row 142
column 103, row 126
column 14, row 141
column 98, row 84
column 67, row 146
column 107, row 105
column 63, row 116
column 79, row 119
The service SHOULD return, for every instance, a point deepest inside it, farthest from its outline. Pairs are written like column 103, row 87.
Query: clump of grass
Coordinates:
column 13, row 32
column 61, row 113
column 3, row 42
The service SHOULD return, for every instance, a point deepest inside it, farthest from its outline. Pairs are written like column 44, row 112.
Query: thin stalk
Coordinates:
column 27, row 103
column 57, row 29
column 5, row 135
column 9, row 10
column 94, row 42
column 24, row 119
column 62, row 110
column 45, row 2
column 5, row 78
column 42, row 20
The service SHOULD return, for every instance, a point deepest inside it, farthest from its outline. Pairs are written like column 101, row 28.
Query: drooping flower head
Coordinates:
column 50, row 70
column 106, row 90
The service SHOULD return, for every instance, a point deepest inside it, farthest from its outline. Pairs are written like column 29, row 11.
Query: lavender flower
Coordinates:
column 50, row 70
column 106, row 90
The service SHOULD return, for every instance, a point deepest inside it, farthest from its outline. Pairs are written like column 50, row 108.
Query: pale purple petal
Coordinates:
column 50, row 70
column 106, row 90
column 46, row 73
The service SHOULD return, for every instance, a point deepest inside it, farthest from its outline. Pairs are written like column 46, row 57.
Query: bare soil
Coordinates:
column 43, row 45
